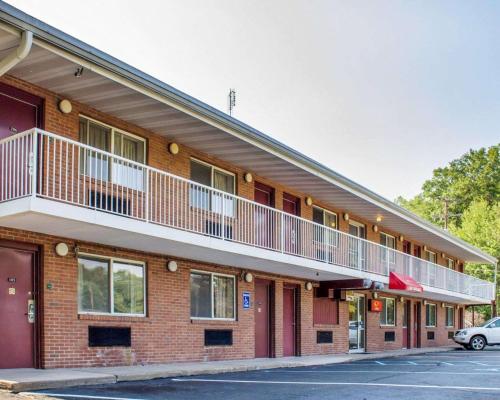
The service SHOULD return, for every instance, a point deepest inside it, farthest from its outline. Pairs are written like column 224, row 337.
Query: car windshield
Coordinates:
column 487, row 322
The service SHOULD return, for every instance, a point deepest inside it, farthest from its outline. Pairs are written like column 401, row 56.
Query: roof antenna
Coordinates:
column 231, row 101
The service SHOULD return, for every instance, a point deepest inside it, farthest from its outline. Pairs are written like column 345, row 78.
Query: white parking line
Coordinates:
column 478, row 363
column 343, row 371
column 380, row 363
column 78, row 396
column 412, row 363
column 493, row 389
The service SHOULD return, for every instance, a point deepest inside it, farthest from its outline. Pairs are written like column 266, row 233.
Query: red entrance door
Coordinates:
column 16, row 308
column 19, row 111
column 265, row 224
column 291, row 205
column 262, row 311
column 289, row 322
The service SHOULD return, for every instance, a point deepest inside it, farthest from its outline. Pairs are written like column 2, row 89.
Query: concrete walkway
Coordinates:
column 35, row 379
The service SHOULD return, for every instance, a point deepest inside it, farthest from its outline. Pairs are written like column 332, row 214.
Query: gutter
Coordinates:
column 17, row 55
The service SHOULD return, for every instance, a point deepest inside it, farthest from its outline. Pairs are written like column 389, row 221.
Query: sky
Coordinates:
column 382, row 92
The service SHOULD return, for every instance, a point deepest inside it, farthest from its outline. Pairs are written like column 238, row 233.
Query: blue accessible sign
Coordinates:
column 246, row 300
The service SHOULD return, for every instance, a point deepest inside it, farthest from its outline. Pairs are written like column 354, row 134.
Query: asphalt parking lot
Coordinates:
column 453, row 375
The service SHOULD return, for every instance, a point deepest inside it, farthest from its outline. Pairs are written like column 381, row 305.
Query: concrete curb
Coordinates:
column 31, row 379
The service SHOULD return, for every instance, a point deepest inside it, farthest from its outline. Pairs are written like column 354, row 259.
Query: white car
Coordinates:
column 477, row 338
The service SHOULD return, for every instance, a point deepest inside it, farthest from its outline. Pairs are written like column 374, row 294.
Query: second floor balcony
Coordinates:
column 88, row 194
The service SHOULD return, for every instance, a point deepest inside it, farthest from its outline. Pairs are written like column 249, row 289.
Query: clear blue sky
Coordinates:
column 381, row 91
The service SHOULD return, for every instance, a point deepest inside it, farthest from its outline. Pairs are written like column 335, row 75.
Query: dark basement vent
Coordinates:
column 450, row 334
column 390, row 336
column 218, row 337
column 324, row 337
column 100, row 336
column 430, row 335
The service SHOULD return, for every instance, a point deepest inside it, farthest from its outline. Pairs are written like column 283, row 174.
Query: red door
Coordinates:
column 262, row 311
column 289, row 322
column 406, row 323
column 19, row 111
column 291, row 205
column 264, row 222
column 16, row 308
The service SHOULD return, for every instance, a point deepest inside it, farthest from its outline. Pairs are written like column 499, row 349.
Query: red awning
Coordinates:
column 404, row 282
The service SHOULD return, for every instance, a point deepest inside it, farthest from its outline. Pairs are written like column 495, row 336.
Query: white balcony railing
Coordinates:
column 81, row 175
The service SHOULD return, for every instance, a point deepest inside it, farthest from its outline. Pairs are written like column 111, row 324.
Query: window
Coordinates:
column 111, row 286
column 109, row 139
column 388, row 314
column 450, row 317
column 212, row 296
column 450, row 263
column 216, row 178
column 329, row 220
column 430, row 315
column 390, row 242
column 431, row 257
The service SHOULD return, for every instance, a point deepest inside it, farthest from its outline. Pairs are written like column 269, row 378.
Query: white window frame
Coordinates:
column 452, row 261
column 336, row 229
column 447, row 308
column 384, row 310
column 215, row 168
column 428, row 252
column 212, row 274
column 111, row 260
column 392, row 254
column 117, row 130
column 435, row 315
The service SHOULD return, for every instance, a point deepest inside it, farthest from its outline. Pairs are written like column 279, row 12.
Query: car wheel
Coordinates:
column 478, row 343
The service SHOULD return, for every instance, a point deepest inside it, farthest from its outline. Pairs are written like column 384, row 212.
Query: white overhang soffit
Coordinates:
column 118, row 89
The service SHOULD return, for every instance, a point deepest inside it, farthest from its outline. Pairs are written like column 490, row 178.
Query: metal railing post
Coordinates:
column 33, row 161
column 146, row 197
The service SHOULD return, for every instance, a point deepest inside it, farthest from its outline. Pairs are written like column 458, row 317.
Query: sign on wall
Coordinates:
column 246, row 300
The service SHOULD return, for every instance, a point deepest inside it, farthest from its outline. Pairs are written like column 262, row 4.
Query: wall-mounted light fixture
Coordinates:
column 443, row 255
column 247, row 277
column 346, row 216
column 309, row 201
column 79, row 72
column 173, row 148
column 375, row 295
column 401, row 299
column 379, row 218
column 401, row 238
column 172, row 265
column 443, row 305
column 65, row 106
column 308, row 286
column 62, row 249
column 247, row 176
column 375, row 228
column 426, row 248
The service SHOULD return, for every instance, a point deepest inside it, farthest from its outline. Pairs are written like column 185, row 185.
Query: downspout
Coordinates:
column 17, row 55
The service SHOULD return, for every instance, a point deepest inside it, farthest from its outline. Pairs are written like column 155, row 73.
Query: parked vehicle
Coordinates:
column 477, row 338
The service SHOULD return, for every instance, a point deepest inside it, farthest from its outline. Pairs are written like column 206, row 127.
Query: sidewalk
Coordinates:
column 35, row 379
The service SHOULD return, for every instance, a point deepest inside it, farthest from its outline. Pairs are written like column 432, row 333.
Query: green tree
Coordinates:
column 470, row 186
column 474, row 176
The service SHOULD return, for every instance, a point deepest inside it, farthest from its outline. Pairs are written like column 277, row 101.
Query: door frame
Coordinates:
column 417, row 311
column 357, row 296
column 271, row 322
column 36, row 251
column 409, row 327
column 296, row 311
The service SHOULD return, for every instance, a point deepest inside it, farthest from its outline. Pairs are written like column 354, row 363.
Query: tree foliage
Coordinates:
column 470, row 186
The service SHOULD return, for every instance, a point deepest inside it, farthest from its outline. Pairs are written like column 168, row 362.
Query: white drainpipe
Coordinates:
column 17, row 55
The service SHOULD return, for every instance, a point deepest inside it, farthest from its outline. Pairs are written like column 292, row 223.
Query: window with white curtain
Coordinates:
column 212, row 295
column 389, row 242
column 112, row 140
column 213, row 177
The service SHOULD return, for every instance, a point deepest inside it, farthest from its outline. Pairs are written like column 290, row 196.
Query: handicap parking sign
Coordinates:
column 246, row 300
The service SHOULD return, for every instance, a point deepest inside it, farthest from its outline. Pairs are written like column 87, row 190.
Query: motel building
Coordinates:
column 139, row 225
